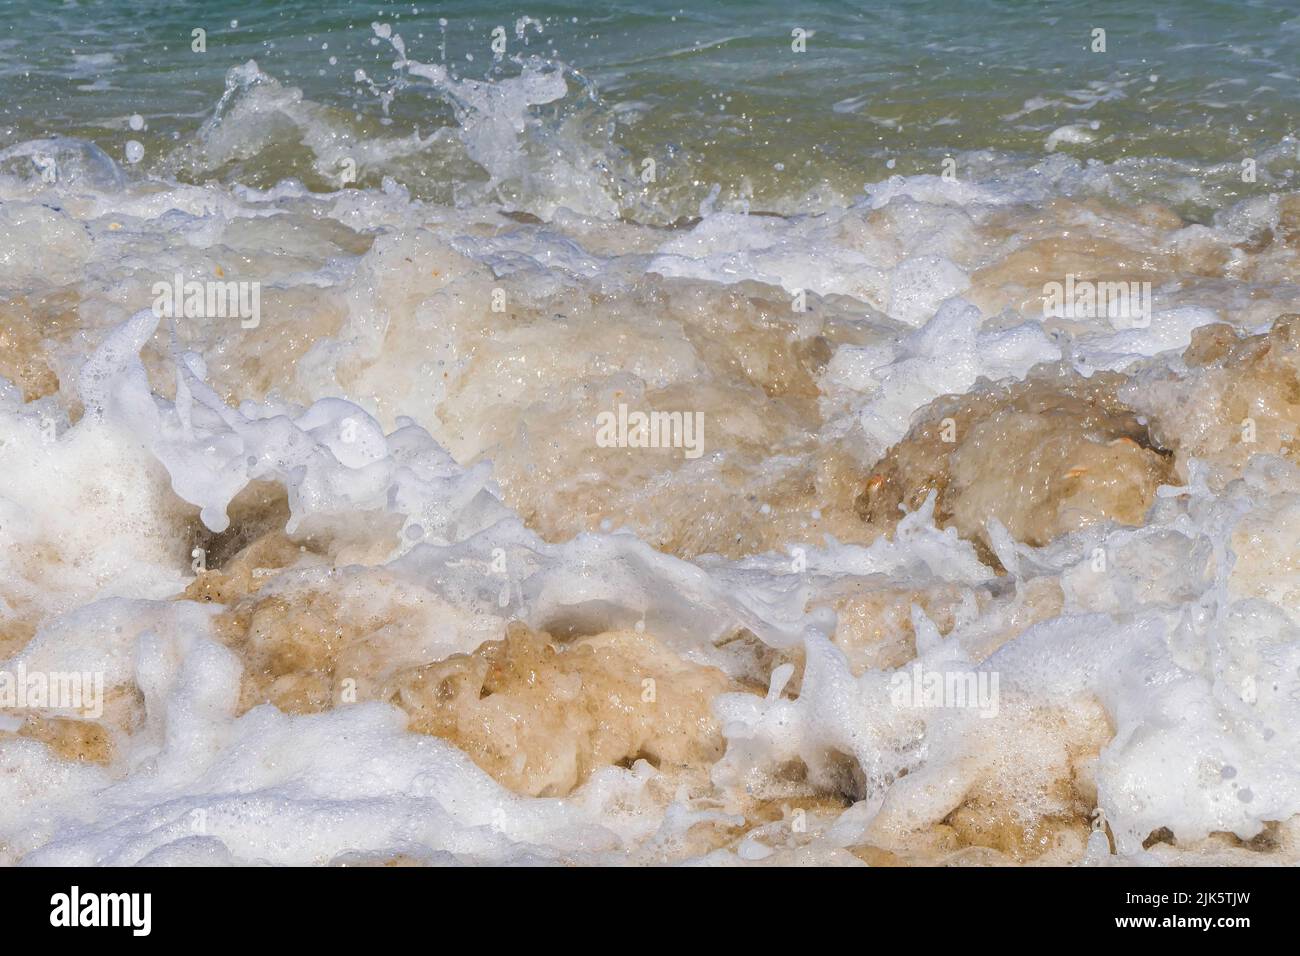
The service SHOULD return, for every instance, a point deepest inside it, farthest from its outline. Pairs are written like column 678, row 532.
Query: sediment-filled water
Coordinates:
column 759, row 434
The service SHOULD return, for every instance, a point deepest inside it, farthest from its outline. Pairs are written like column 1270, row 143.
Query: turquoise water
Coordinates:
column 713, row 93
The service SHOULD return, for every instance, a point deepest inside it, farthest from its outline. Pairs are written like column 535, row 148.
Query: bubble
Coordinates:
column 134, row 151
column 136, row 122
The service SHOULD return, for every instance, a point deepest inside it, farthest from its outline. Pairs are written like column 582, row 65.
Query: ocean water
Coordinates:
column 748, row 433
column 709, row 94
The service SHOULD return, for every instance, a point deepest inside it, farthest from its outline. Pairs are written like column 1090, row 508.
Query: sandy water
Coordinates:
column 321, row 471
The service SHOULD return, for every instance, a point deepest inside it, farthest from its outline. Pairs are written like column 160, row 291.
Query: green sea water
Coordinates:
column 775, row 102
